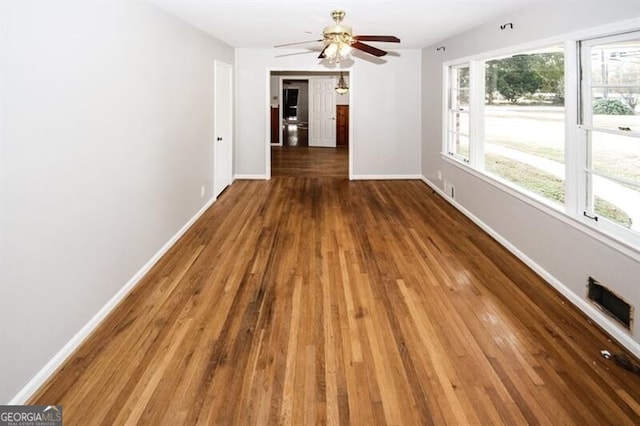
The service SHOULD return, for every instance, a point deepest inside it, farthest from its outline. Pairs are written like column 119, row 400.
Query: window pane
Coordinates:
column 535, row 77
column 460, row 99
column 524, row 121
column 459, row 122
column 460, row 77
column 616, row 156
column 616, row 109
column 616, row 63
column 458, row 119
column 618, row 203
column 459, row 144
column 520, row 173
column 463, row 77
column 613, row 159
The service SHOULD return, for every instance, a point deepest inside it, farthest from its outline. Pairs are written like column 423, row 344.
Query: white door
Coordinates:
column 322, row 112
column 222, row 127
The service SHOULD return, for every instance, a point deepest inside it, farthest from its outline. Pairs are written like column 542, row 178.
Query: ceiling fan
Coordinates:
column 339, row 40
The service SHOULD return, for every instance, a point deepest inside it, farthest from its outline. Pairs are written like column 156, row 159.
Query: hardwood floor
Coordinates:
column 295, row 135
column 309, row 162
column 318, row 300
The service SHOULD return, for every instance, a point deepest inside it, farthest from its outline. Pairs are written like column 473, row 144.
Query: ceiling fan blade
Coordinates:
column 388, row 39
column 369, row 49
column 321, row 56
column 299, row 42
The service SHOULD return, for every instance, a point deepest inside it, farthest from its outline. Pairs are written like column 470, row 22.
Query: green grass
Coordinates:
column 610, row 163
column 547, row 152
column 546, row 185
column 618, row 165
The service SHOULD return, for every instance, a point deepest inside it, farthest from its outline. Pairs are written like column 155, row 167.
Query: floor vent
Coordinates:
column 610, row 303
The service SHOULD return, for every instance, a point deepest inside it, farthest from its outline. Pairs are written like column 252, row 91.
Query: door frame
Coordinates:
column 305, row 73
column 217, row 63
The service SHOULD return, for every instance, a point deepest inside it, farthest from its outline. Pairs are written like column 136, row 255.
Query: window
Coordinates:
column 458, row 112
column 516, row 130
column 524, row 129
column 610, row 121
column 507, row 117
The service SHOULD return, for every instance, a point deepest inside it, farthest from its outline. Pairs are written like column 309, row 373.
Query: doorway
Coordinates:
column 222, row 123
column 309, row 132
column 295, row 112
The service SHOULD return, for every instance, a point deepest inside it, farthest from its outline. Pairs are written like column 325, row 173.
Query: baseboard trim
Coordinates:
column 250, row 177
column 592, row 312
column 386, row 177
column 69, row 348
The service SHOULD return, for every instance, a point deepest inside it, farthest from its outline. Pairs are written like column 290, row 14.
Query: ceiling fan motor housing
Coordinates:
column 338, row 32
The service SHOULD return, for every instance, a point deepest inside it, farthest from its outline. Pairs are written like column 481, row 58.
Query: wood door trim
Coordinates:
column 342, row 125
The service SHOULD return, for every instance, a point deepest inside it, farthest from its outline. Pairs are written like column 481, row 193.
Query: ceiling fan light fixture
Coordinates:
column 338, row 38
column 331, row 51
column 337, row 50
column 344, row 50
column 342, row 87
column 339, row 41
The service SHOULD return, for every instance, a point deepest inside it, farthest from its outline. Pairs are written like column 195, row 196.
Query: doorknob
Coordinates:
column 219, row 138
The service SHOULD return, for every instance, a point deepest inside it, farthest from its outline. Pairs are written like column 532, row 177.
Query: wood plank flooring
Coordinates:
column 295, row 135
column 323, row 301
column 309, row 162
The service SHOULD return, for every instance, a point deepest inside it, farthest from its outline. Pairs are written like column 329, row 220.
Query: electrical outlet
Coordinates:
column 203, row 189
column 439, row 175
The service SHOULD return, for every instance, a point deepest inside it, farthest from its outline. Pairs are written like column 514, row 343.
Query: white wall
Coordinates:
column 565, row 253
column 385, row 110
column 106, row 140
column 275, row 86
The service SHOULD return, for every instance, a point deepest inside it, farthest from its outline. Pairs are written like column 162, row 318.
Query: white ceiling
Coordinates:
column 266, row 23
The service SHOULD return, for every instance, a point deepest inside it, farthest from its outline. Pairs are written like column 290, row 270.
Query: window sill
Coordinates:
column 628, row 248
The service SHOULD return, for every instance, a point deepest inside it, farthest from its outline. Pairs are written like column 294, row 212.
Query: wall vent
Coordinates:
column 610, row 303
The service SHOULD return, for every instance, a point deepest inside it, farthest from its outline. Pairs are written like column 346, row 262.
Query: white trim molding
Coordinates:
column 592, row 312
column 306, row 73
column 74, row 343
column 251, row 177
column 386, row 177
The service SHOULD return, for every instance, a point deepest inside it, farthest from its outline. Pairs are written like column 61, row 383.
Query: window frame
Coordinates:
column 476, row 112
column 586, row 128
column 570, row 213
column 448, row 144
column 481, row 119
